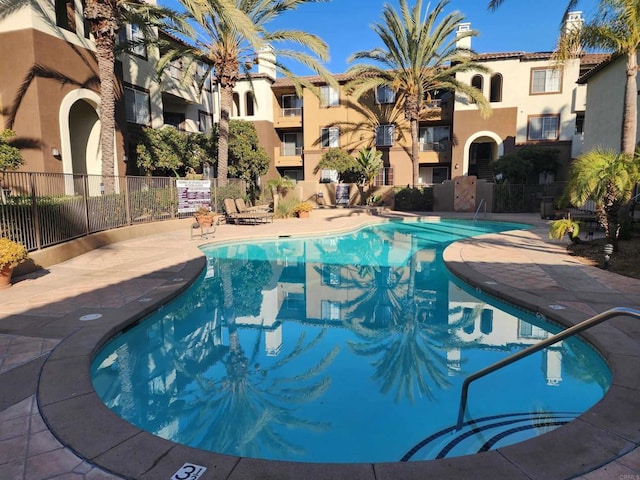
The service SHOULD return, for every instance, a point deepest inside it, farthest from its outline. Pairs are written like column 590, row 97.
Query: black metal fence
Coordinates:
column 44, row 209
column 521, row 198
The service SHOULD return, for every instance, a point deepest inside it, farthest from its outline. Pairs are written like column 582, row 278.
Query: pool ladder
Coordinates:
column 482, row 202
column 569, row 332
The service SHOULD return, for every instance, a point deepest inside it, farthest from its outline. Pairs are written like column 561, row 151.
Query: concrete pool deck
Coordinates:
column 53, row 425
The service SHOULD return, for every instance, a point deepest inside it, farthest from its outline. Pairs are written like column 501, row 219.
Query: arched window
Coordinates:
column 236, row 105
column 477, row 82
column 248, row 98
column 495, row 93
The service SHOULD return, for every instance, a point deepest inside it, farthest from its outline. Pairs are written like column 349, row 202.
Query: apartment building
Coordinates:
column 605, row 104
column 534, row 102
column 49, row 92
column 50, row 97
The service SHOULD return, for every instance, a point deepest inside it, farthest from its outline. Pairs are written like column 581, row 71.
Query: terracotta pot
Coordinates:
column 5, row 277
column 303, row 214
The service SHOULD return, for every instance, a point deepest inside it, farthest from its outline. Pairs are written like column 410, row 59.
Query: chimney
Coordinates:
column 463, row 36
column 573, row 22
column 266, row 61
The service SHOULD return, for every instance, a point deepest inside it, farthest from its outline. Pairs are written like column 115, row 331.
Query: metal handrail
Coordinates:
column 569, row 332
column 479, row 207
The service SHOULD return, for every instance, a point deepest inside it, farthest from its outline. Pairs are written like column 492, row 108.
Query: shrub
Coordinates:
column 285, row 208
column 12, row 253
column 414, row 199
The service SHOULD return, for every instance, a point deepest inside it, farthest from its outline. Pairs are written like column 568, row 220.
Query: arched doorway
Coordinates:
column 84, row 133
column 80, row 138
column 480, row 150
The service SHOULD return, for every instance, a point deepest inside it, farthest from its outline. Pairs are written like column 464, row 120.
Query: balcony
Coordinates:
column 288, row 155
column 289, row 118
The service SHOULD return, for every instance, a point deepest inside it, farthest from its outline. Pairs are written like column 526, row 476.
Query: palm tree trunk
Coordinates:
column 226, row 101
column 415, row 154
column 630, row 116
column 412, row 113
column 104, row 52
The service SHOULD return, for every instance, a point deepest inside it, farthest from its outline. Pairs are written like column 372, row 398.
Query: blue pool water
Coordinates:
column 343, row 348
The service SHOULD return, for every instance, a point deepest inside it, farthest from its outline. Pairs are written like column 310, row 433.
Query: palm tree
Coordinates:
column 105, row 19
column 607, row 178
column 419, row 58
column 369, row 161
column 229, row 48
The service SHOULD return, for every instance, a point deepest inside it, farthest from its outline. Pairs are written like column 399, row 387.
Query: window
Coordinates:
column 384, row 135
column 546, row 80
column 235, row 107
column 385, row 177
column 65, row 15
column 434, row 138
column 579, row 122
column 527, row 330
column 331, row 274
column 201, row 72
column 495, row 92
column 328, row 176
column 137, row 106
column 176, row 120
column 543, row 127
column 205, row 122
column 330, row 310
column 329, row 137
column 133, row 33
column 291, row 105
column 385, row 94
column 291, row 144
column 329, row 97
column 477, row 82
column 249, row 104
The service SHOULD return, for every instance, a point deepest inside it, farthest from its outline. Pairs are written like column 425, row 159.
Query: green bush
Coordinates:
column 414, row 199
column 286, row 208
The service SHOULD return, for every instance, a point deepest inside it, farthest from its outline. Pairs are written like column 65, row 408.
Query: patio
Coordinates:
column 49, row 330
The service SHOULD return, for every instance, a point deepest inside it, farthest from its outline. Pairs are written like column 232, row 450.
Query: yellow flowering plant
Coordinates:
column 12, row 253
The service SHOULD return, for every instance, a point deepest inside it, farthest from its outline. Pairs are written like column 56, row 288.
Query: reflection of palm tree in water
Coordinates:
column 393, row 319
column 245, row 411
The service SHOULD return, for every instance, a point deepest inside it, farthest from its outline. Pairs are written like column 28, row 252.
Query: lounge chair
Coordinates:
column 244, row 208
column 232, row 214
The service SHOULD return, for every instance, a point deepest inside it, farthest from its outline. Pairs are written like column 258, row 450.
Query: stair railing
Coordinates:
column 569, row 332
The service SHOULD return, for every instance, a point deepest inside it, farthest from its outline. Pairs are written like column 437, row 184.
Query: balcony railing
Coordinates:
column 292, row 112
column 433, row 146
column 291, row 150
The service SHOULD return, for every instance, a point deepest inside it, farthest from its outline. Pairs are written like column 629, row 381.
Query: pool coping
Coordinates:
column 607, row 431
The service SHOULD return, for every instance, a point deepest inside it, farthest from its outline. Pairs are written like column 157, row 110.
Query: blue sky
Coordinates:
column 345, row 25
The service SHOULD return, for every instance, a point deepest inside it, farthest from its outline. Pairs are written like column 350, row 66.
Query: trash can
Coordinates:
column 546, row 207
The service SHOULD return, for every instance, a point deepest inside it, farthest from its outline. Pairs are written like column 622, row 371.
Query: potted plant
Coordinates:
column 565, row 226
column 12, row 254
column 302, row 209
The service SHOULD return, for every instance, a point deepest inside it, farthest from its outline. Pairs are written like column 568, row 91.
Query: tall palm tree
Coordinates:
column 230, row 49
column 607, row 178
column 105, row 19
column 419, row 58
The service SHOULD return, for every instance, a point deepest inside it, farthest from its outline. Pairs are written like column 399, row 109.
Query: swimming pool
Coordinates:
column 348, row 348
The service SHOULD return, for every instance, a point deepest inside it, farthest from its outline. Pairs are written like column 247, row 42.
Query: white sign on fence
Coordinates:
column 193, row 194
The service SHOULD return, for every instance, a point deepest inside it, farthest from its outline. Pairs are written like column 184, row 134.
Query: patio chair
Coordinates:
column 244, row 208
column 232, row 214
